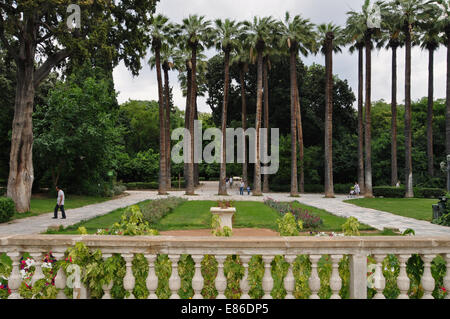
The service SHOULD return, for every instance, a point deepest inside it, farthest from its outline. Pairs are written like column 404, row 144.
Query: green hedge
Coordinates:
column 399, row 192
column 7, row 209
column 151, row 185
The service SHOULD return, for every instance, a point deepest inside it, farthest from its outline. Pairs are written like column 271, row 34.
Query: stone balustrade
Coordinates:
column 356, row 248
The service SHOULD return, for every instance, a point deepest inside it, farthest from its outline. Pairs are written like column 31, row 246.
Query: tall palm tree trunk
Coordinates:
column 408, row 133
column 187, row 117
column 196, row 167
column 244, row 123
column 301, row 152
column 394, row 168
column 162, row 188
column 368, row 129
column 360, row 173
column 293, row 75
column 259, row 101
column 430, row 156
column 167, row 127
column 329, row 191
column 223, row 162
column 266, row 118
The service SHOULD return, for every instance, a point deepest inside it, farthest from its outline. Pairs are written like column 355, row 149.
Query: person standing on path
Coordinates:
column 241, row 188
column 59, row 204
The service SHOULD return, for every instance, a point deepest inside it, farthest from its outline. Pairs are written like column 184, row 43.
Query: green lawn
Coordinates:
column 46, row 204
column 196, row 215
column 418, row 208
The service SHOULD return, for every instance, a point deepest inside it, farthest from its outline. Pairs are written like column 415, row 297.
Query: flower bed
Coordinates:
column 309, row 220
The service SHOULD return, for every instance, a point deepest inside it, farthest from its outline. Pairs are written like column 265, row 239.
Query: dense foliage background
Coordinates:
column 85, row 141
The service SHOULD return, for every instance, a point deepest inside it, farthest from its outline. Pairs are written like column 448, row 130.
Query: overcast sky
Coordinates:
column 144, row 86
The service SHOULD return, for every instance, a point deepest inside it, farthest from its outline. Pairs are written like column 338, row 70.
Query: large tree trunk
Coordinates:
column 430, row 113
column 329, row 189
column 196, row 167
column 293, row 75
column 162, row 188
column 394, row 169
column 266, row 118
column 190, row 188
column 360, row 119
column 259, row 101
column 167, row 127
column 408, row 132
column 298, row 120
column 223, row 162
column 244, row 124
column 368, row 129
column 21, row 172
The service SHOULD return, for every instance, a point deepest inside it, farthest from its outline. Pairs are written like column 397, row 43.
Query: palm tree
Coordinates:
column 331, row 39
column 409, row 10
column 355, row 29
column 369, row 35
column 242, row 59
column 297, row 35
column 159, row 29
column 392, row 38
column 444, row 25
column 167, row 64
column 197, row 32
column 430, row 41
column 227, row 33
column 258, row 33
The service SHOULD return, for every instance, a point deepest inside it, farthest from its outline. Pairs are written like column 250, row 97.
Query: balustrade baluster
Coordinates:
column 197, row 280
column 221, row 280
column 129, row 280
column 380, row 282
column 289, row 280
column 447, row 275
column 174, row 281
column 60, row 279
column 107, row 287
column 314, row 280
column 14, row 279
column 267, row 280
column 427, row 281
column 335, row 280
column 152, row 279
column 244, row 284
column 38, row 274
column 403, row 279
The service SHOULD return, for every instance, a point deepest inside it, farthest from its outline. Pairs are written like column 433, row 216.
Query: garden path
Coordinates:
column 208, row 191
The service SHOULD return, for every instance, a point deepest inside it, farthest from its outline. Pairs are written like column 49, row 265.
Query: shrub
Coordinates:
column 399, row 192
column 154, row 210
column 351, row 227
column 389, row 191
column 7, row 209
column 287, row 226
column 2, row 191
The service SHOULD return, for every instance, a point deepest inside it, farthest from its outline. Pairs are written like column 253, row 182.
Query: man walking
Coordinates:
column 241, row 188
column 59, row 204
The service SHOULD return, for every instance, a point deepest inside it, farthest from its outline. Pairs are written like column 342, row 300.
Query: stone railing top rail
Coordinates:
column 230, row 245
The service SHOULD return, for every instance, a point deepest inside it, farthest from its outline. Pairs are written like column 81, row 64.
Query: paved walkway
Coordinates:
column 208, row 191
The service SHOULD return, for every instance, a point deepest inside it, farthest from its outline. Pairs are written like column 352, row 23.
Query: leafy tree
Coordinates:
column 76, row 137
column 38, row 29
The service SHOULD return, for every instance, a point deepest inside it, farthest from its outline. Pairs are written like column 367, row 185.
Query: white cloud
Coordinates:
column 144, row 86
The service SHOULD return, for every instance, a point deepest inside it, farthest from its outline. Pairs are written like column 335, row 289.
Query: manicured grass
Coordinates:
column 330, row 222
column 43, row 204
column 196, row 215
column 418, row 208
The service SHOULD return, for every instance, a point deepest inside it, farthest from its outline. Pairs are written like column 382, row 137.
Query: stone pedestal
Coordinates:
column 225, row 215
